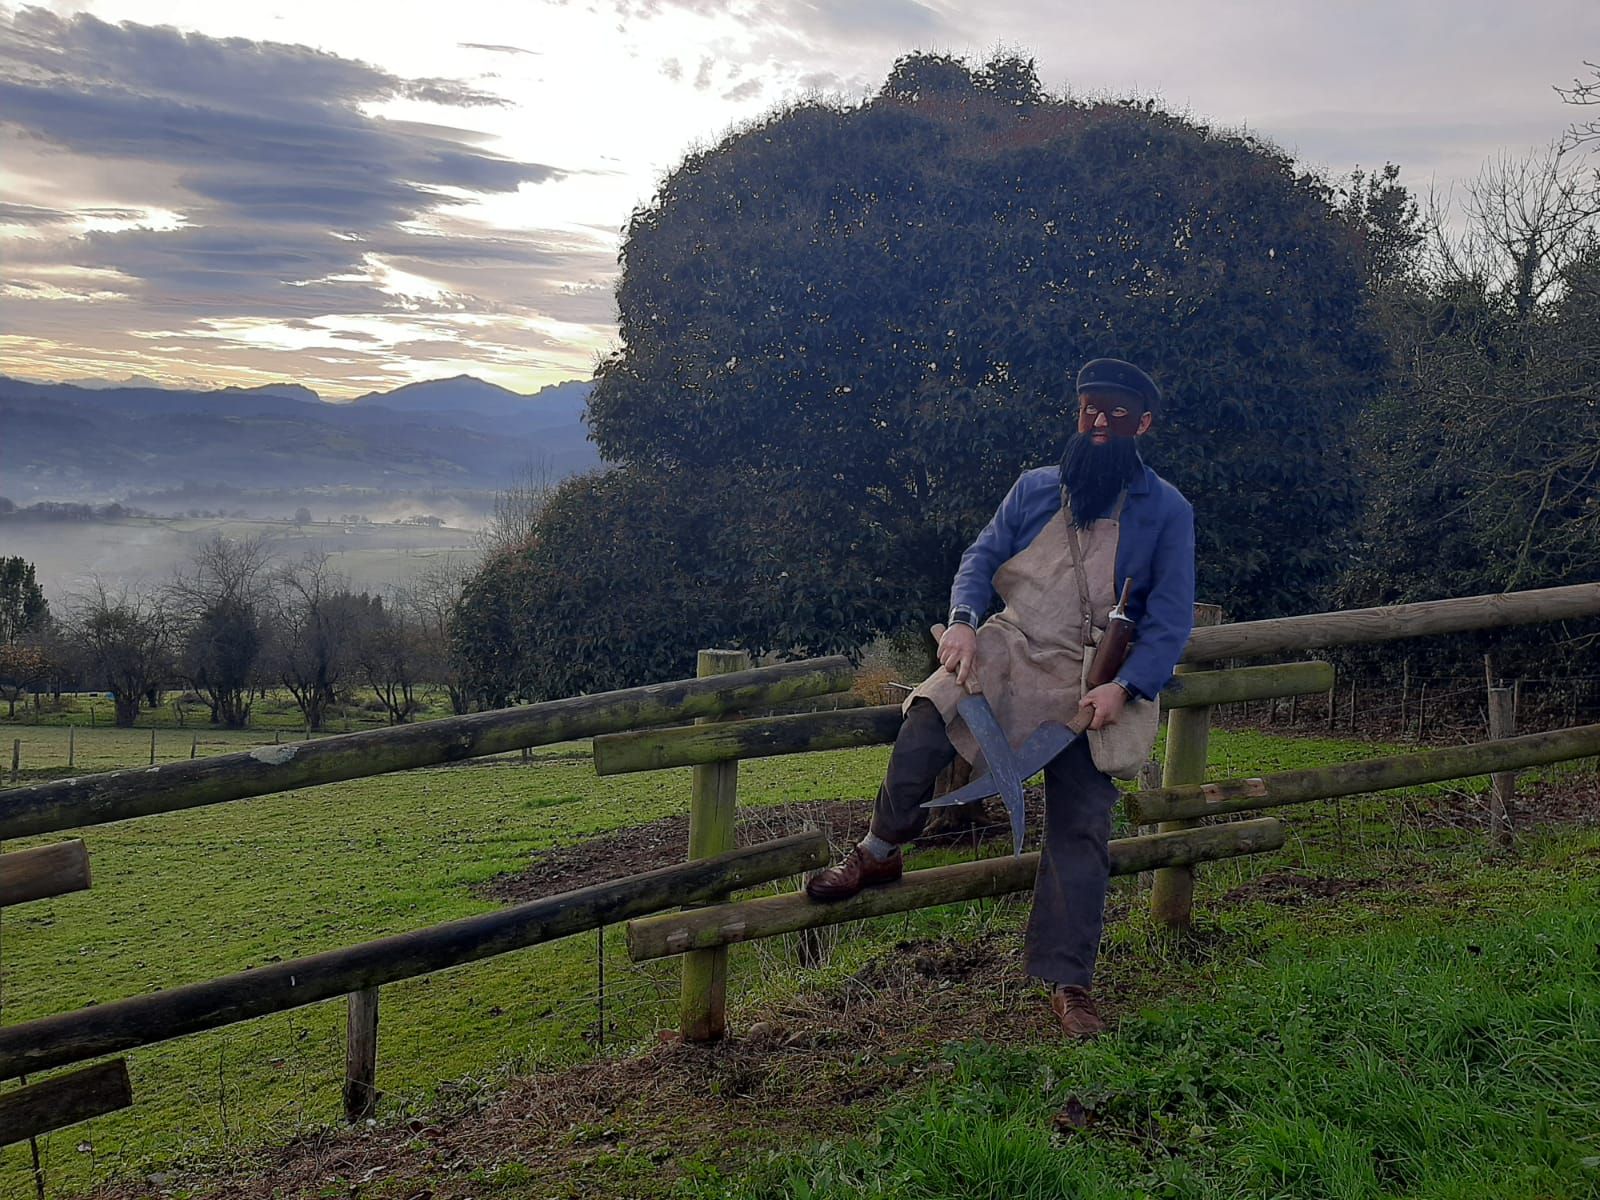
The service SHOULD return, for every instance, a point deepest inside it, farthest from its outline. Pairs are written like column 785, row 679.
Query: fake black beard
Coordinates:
column 1094, row 476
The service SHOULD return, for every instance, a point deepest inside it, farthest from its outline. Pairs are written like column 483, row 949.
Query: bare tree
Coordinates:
column 1527, row 221
column 1489, row 459
column 1583, row 93
column 517, row 507
column 431, row 600
column 389, row 654
column 22, row 666
column 223, row 598
column 127, row 641
column 315, row 622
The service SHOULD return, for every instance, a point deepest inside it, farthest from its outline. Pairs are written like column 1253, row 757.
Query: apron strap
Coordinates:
column 1085, row 604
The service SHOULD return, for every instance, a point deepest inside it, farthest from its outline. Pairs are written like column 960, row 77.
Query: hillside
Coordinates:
column 66, row 442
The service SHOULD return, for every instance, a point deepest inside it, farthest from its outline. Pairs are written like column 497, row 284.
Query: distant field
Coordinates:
column 136, row 551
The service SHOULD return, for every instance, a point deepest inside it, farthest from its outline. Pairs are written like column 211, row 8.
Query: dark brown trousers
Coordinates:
column 1069, row 892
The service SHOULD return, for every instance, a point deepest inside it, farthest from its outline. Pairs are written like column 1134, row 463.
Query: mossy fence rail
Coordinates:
column 626, row 738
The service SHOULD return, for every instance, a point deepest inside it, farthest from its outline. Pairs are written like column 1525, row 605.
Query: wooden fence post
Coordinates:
column 72, row 746
column 702, row 1005
column 1502, row 784
column 1149, row 780
column 361, row 1056
column 1188, row 741
column 152, row 747
column 16, row 758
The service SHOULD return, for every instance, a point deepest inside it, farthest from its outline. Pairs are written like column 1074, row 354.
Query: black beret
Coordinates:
column 1116, row 375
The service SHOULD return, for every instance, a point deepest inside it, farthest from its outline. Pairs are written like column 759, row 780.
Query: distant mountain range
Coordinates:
column 74, row 442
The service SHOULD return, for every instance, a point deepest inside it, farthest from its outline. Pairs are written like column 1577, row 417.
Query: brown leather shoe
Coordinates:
column 858, row 870
column 1075, row 1009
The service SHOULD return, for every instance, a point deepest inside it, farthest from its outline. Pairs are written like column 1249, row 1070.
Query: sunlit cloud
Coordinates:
column 453, row 182
column 292, row 201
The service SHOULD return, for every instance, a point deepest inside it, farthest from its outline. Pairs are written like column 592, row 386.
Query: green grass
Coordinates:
column 187, row 896
column 175, row 716
column 1424, row 1055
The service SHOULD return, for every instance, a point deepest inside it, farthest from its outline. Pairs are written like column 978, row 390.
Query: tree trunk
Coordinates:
column 127, row 709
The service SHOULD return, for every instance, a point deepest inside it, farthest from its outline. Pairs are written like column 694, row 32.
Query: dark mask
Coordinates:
column 1094, row 476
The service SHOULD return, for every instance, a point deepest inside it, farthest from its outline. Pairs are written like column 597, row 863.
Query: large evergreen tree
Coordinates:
column 886, row 304
column 846, row 329
column 23, row 607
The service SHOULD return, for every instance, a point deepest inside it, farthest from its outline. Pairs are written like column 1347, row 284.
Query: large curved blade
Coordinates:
column 1002, row 760
column 1043, row 744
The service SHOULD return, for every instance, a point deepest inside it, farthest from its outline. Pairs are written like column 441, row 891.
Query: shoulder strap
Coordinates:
column 1075, row 552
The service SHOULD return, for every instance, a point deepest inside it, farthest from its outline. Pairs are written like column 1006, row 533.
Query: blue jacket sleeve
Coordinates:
column 974, row 584
column 1168, row 616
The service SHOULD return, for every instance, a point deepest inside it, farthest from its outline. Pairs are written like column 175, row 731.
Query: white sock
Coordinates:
column 879, row 849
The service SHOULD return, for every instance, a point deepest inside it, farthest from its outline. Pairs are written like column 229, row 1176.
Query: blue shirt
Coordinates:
column 1155, row 546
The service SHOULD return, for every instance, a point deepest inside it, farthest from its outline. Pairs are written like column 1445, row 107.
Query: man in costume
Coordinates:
column 1100, row 517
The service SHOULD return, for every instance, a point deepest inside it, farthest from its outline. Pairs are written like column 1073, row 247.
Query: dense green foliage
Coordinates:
column 22, row 603
column 865, row 318
column 630, row 572
column 885, row 305
column 1483, row 453
column 846, row 329
column 26, row 631
column 219, row 657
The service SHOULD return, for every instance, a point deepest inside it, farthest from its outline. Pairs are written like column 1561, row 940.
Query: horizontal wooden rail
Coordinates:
column 1199, row 689
column 142, row 1020
column 53, row 1104
column 1391, row 622
column 653, row 749
column 698, row 745
column 116, row 795
column 1355, row 778
column 768, row 916
column 43, row 871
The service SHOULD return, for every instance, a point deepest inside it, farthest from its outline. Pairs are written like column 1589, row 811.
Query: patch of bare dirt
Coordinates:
column 1568, row 800
column 662, row 842
column 1292, row 889
column 821, row 1065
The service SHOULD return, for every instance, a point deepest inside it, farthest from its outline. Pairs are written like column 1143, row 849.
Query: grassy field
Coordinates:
column 1432, row 1054
column 185, row 717
column 187, row 896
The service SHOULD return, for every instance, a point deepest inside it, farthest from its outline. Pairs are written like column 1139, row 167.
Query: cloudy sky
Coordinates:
column 356, row 194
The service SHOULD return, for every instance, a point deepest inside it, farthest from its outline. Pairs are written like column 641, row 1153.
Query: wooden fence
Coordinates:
column 355, row 971
column 620, row 724
column 1176, row 807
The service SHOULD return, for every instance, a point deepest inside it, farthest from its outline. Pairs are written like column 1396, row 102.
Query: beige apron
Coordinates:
column 1030, row 654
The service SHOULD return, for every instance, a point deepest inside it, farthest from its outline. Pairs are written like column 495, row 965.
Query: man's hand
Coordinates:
column 1107, row 700
column 958, row 651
